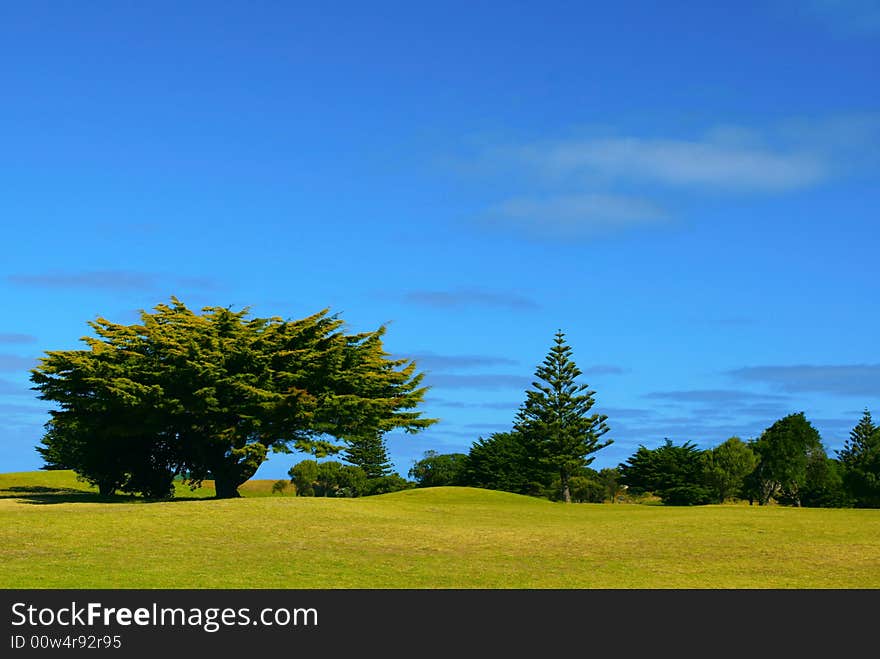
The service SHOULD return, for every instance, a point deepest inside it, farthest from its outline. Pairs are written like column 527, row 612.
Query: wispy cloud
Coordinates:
column 852, row 17
column 16, row 363
column 487, row 405
column 711, row 163
column 574, row 216
column 586, row 187
column 435, row 362
column 109, row 280
column 712, row 396
column 470, row 297
column 17, row 338
column 477, row 381
column 844, row 380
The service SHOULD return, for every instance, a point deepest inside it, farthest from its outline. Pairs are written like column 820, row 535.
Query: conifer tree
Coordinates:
column 555, row 419
column 370, row 454
column 209, row 395
column 860, row 458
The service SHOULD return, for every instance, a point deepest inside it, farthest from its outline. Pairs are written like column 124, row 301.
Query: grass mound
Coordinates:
column 426, row 538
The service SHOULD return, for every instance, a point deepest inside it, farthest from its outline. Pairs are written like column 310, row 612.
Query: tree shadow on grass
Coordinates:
column 40, row 495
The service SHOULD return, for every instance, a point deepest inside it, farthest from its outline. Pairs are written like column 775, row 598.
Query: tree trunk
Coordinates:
column 566, row 492
column 225, row 488
column 106, row 489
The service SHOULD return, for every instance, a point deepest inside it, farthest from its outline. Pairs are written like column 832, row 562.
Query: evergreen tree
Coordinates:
column 673, row 473
column 555, row 418
column 501, row 462
column 209, row 395
column 860, row 461
column 370, row 454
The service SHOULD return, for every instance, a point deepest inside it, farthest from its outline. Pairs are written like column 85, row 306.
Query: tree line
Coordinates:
column 549, row 449
column 199, row 396
column 787, row 464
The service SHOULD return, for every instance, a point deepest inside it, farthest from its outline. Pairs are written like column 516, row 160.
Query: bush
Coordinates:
column 387, row 484
column 586, row 490
column 279, row 486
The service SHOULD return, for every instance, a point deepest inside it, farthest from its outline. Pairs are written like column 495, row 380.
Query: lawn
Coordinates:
column 55, row 533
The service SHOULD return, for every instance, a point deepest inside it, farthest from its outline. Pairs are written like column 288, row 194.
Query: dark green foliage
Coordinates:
column 279, row 486
column 586, row 490
column 209, row 395
column 387, row 484
column 609, row 477
column 673, row 473
column 555, row 420
column 501, row 462
column 304, row 476
column 439, row 469
column 370, row 454
column 784, row 451
column 328, row 479
column 824, row 486
column 860, row 463
column 726, row 467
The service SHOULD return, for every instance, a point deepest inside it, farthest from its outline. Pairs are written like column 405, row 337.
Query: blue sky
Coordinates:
column 689, row 192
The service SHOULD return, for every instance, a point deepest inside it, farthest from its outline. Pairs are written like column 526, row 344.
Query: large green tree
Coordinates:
column 785, row 450
column 555, row 419
column 209, row 395
column 860, row 462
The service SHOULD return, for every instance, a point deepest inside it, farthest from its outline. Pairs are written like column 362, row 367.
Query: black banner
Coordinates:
column 430, row 623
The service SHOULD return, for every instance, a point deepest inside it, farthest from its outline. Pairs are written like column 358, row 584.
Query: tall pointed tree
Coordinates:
column 370, row 454
column 555, row 419
column 860, row 458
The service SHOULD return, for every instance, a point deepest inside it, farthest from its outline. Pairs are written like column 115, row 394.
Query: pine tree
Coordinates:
column 859, row 437
column 860, row 458
column 370, row 454
column 554, row 419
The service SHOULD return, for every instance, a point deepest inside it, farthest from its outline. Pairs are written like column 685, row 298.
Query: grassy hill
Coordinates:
column 55, row 533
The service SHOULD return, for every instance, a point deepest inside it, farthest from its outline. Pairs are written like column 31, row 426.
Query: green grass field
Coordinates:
column 55, row 533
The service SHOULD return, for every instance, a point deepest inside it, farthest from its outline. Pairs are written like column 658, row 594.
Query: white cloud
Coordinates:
column 713, row 163
column 574, row 216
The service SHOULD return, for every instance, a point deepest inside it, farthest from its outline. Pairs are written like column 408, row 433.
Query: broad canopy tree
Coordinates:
column 208, row 396
column 785, row 452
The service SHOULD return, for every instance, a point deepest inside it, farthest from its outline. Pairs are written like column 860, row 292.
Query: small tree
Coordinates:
column 436, row 469
column 673, row 473
column 370, row 454
column 555, row 420
column 304, row 476
column 726, row 466
column 609, row 477
column 387, row 484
